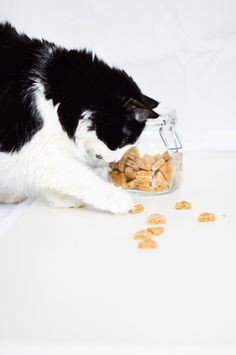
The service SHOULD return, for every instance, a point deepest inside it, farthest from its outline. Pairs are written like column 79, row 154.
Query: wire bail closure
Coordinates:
column 168, row 132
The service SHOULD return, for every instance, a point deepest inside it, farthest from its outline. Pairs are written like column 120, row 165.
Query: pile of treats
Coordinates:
column 145, row 236
column 150, row 173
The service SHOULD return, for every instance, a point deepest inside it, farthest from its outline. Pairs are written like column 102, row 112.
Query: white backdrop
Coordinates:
column 182, row 52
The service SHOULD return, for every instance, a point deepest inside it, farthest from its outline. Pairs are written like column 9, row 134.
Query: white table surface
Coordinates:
column 76, row 276
column 9, row 213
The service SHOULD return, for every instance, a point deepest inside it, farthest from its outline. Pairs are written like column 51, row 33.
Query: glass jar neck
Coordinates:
column 166, row 125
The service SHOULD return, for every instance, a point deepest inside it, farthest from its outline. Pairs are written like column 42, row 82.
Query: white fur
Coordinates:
column 91, row 145
column 62, row 170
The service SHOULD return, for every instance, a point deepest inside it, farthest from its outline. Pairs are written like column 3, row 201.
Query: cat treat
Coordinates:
column 145, row 235
column 150, row 173
column 148, row 244
column 206, row 217
column 156, row 218
column 142, row 234
column 183, row 205
column 137, row 209
column 156, row 231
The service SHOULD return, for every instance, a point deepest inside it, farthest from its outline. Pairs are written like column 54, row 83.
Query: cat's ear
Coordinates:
column 138, row 110
column 150, row 102
column 142, row 114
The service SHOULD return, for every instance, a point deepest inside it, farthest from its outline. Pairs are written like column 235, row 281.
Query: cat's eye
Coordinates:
column 98, row 156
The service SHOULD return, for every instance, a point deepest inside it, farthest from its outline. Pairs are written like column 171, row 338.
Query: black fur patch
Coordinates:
column 77, row 80
column 18, row 122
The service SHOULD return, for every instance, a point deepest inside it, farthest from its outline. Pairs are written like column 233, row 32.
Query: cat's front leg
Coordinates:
column 72, row 178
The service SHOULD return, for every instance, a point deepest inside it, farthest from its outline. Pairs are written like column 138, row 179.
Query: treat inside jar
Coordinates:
column 147, row 173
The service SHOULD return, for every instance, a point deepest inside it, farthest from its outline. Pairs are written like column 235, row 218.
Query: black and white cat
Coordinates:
column 62, row 114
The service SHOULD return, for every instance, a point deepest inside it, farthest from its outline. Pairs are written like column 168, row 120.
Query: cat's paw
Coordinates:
column 119, row 201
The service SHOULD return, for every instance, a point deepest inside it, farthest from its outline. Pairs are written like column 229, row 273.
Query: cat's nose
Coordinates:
column 98, row 156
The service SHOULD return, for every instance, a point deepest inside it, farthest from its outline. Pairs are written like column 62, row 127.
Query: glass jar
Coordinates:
column 154, row 164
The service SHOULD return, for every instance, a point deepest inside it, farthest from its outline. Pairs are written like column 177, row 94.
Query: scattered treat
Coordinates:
column 183, row 205
column 206, row 217
column 145, row 235
column 148, row 244
column 142, row 234
column 156, row 218
column 156, row 230
column 148, row 173
column 137, row 209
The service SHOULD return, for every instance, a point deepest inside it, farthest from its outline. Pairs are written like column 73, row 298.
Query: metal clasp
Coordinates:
column 168, row 132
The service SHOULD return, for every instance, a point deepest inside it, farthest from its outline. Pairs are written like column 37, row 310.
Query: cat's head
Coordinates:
column 101, row 107
column 110, row 130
